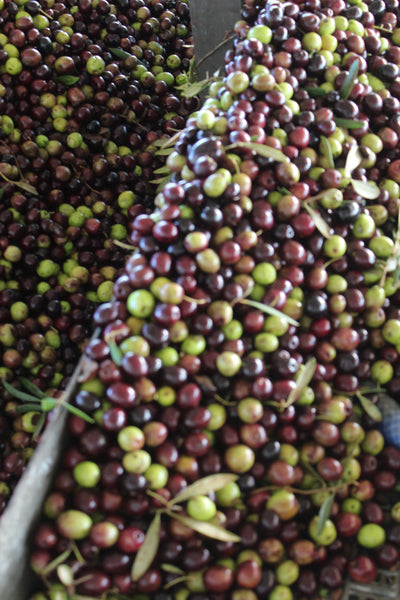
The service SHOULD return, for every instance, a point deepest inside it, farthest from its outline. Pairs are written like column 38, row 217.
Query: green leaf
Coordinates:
column 162, row 171
column 164, row 152
column 202, row 486
column 319, row 221
column 148, row 549
column 268, row 309
column 120, row 53
column 304, row 377
column 315, row 92
column 366, row 189
column 262, row 150
column 39, row 426
column 350, row 80
column 327, row 152
column 78, row 412
column 59, row 560
column 189, row 90
column 19, row 394
column 324, row 513
column 353, row 159
column 172, row 569
column 2, row 190
column 115, row 352
column 67, row 79
column 348, row 123
column 31, row 387
column 24, row 408
column 27, row 187
column 370, row 408
column 208, row 529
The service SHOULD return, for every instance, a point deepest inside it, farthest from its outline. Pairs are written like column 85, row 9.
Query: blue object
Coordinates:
column 390, row 425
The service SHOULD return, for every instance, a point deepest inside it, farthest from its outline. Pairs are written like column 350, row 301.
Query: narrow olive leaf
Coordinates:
column 327, row 152
column 19, row 394
column 115, row 352
column 353, row 159
column 315, row 92
column 120, row 53
column 348, row 123
column 27, row 187
column 78, row 412
column 208, row 529
column 268, row 309
column 148, row 549
column 24, row 408
column 31, row 387
column 206, row 384
column 160, row 181
column 67, row 79
column 202, row 486
column 164, row 152
column 162, row 171
column 262, row 150
column 172, row 569
column 189, row 90
column 305, row 375
column 350, row 80
column 324, row 512
column 319, row 221
column 366, row 189
column 59, row 560
column 2, row 190
column 370, row 408
column 39, row 426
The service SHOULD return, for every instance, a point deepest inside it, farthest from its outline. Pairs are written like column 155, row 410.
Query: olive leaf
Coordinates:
column 148, row 549
column 349, row 81
column 59, row 560
column 67, row 79
column 211, row 483
column 370, row 408
column 327, row 151
column 303, row 379
column 31, row 387
column 2, row 190
column 319, row 221
column 353, row 159
column 39, row 426
column 120, row 53
column 115, row 352
column 315, row 92
column 324, row 512
column 268, row 309
column 189, row 89
column 162, row 171
column 261, row 149
column 19, row 394
column 206, row 384
column 164, row 151
column 348, row 123
column 160, row 182
column 366, row 189
column 208, row 529
column 42, row 403
column 172, row 569
column 27, row 187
